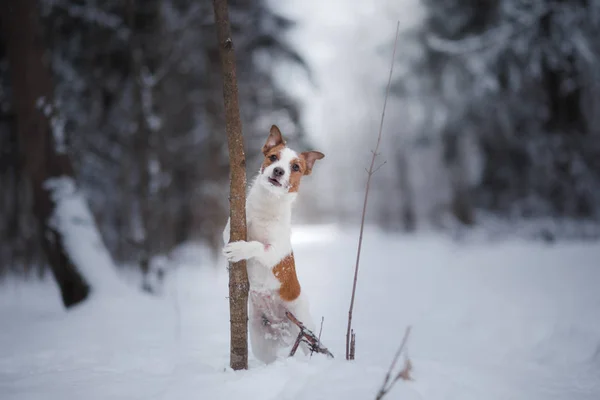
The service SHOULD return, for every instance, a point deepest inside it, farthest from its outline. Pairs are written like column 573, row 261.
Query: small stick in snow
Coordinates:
column 308, row 337
column 296, row 344
column 370, row 173
column 404, row 373
column 320, row 331
column 352, row 344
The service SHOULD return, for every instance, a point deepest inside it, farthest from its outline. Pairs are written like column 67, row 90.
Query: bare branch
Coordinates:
column 364, row 211
column 320, row 331
column 404, row 373
column 307, row 336
column 380, row 165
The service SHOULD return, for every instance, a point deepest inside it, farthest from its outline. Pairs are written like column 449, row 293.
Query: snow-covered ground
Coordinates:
column 510, row 320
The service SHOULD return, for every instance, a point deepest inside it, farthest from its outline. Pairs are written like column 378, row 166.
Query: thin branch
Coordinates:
column 364, row 211
column 320, row 331
column 307, row 336
column 380, row 165
column 404, row 374
column 396, row 357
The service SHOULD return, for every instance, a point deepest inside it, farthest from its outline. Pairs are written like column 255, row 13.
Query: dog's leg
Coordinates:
column 263, row 346
column 265, row 254
column 242, row 250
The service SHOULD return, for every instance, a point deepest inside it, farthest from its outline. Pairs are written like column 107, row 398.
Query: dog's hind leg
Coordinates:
column 264, row 346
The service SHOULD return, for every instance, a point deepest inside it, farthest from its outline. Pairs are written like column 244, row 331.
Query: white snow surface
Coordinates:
column 503, row 320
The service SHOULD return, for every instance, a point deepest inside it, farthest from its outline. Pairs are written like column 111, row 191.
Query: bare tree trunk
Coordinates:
column 238, row 276
column 143, row 17
column 141, row 141
column 461, row 206
column 409, row 219
column 43, row 156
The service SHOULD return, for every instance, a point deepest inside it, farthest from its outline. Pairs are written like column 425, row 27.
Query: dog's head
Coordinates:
column 282, row 167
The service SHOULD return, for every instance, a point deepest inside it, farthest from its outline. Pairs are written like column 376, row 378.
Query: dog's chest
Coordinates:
column 261, row 278
column 268, row 231
column 275, row 235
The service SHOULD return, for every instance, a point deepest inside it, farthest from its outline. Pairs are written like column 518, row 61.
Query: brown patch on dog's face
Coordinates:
column 272, row 155
column 272, row 147
column 285, row 272
column 298, row 169
column 311, row 157
column 289, row 166
column 275, row 139
column 302, row 166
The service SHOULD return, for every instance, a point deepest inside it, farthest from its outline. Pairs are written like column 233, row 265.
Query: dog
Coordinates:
column 274, row 286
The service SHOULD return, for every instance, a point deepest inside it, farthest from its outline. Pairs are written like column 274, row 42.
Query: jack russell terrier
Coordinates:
column 274, row 286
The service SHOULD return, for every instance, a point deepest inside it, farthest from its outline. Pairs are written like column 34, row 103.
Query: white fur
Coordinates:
column 269, row 217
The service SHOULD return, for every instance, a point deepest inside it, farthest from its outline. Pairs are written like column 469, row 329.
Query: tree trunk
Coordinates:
column 238, row 276
column 40, row 143
column 143, row 134
column 409, row 219
column 461, row 205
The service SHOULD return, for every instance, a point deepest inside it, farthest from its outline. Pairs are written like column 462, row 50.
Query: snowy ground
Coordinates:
column 490, row 321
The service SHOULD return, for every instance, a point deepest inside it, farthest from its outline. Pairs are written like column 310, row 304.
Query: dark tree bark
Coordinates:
column 409, row 219
column 461, row 206
column 34, row 108
column 238, row 276
column 141, row 33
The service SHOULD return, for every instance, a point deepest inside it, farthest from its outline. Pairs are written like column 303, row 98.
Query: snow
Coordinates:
column 490, row 320
column 87, row 13
column 74, row 221
column 57, row 124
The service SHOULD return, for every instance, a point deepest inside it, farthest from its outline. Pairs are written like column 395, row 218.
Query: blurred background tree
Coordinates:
column 494, row 116
column 508, row 93
column 139, row 86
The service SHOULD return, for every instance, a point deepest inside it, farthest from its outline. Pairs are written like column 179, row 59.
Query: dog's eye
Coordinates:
column 273, row 157
column 296, row 167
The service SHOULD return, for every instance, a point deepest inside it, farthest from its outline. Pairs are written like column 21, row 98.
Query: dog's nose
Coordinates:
column 278, row 171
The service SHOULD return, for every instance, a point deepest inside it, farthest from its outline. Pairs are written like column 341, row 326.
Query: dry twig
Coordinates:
column 320, row 331
column 370, row 173
column 308, row 337
column 404, row 373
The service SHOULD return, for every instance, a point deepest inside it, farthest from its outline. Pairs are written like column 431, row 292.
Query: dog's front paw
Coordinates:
column 241, row 250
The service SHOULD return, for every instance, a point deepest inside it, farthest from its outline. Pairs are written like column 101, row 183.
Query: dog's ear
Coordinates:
column 274, row 139
column 310, row 157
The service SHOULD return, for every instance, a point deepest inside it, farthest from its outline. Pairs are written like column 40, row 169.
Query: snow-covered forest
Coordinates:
column 491, row 122
column 138, row 92
column 483, row 219
column 493, row 115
